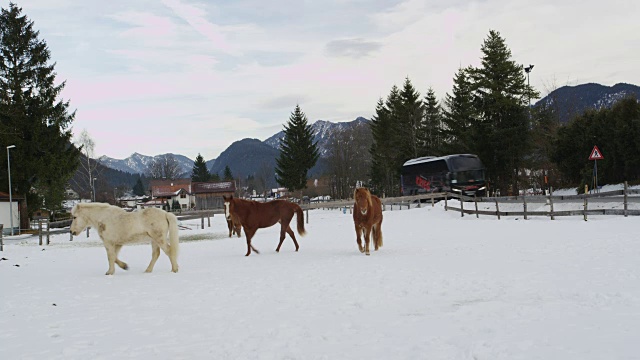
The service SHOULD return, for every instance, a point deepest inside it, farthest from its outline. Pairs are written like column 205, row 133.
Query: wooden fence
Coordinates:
column 624, row 196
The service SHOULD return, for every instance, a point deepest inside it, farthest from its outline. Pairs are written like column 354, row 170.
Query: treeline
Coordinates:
column 615, row 131
column 487, row 113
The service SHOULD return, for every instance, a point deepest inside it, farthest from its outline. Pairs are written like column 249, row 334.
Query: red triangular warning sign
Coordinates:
column 596, row 154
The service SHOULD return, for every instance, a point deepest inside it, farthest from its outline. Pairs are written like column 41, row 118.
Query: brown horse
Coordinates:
column 254, row 215
column 367, row 217
column 234, row 225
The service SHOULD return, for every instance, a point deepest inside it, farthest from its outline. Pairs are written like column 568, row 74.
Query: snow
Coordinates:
column 441, row 287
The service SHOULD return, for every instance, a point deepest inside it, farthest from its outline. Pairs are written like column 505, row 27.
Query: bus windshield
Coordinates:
column 464, row 163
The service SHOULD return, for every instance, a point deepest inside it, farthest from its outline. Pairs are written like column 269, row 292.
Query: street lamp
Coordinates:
column 528, row 70
column 10, row 196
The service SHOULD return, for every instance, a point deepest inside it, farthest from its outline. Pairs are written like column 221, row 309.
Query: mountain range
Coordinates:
column 247, row 157
column 574, row 100
column 244, row 157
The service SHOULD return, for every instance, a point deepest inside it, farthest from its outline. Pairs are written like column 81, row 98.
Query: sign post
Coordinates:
column 596, row 155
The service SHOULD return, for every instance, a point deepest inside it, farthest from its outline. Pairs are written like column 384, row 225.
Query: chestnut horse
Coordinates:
column 234, row 225
column 367, row 217
column 254, row 215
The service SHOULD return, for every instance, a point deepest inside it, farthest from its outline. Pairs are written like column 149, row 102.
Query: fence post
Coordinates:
column 625, row 198
column 586, row 191
column 202, row 221
column 461, row 207
column 48, row 232
column 475, row 200
column 40, row 232
column 433, row 203
column 208, row 220
column 307, row 215
column 88, row 231
column 524, row 201
column 551, row 204
column 1, row 241
column 70, row 235
column 497, row 209
column 445, row 201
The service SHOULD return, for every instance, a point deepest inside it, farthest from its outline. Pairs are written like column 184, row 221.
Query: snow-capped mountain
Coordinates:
column 138, row 163
column 323, row 133
column 570, row 101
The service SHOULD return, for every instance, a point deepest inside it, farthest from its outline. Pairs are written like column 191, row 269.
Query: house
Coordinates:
column 131, row 201
column 179, row 190
column 17, row 209
column 208, row 195
column 154, row 203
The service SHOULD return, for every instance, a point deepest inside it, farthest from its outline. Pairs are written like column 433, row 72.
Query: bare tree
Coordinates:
column 264, row 178
column 163, row 167
column 349, row 159
column 88, row 165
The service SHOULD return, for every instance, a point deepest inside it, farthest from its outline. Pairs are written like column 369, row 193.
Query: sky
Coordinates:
column 189, row 77
column 441, row 287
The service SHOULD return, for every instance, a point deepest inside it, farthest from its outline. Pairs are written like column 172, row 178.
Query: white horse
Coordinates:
column 117, row 227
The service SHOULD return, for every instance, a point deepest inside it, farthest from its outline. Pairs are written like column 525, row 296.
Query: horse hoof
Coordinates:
column 108, row 273
column 368, row 254
column 125, row 267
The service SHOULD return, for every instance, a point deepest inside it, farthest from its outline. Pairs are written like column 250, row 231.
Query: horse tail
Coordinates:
column 300, row 220
column 174, row 239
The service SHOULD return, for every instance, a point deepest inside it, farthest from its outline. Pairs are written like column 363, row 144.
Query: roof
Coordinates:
column 434, row 158
column 213, row 187
column 5, row 196
column 167, row 191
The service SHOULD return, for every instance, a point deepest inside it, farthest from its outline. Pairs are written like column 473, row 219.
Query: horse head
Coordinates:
column 79, row 222
column 362, row 197
column 228, row 206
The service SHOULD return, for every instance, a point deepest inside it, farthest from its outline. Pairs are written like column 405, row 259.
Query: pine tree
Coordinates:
column 32, row 117
column 431, row 139
column 386, row 156
column 411, row 127
column 200, row 173
column 500, row 94
column 459, row 117
column 138, row 188
column 228, row 176
column 298, row 152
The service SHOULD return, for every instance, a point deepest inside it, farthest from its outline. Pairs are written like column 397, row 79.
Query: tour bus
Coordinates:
column 463, row 173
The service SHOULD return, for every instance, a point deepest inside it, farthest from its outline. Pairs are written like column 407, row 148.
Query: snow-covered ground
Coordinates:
column 442, row 287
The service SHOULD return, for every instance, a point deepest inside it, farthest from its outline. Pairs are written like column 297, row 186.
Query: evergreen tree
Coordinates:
column 386, row 156
column 459, row 117
column 138, row 188
column 228, row 176
column 200, row 173
column 409, row 116
column 215, row 177
column 298, row 152
column 431, row 139
column 500, row 94
column 32, row 117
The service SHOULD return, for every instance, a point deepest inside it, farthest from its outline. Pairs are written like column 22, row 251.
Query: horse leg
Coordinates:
column 358, row 239
column 166, row 247
column 123, row 265
column 249, row 234
column 111, row 257
column 367, row 239
column 282, row 236
column 155, row 253
column 293, row 237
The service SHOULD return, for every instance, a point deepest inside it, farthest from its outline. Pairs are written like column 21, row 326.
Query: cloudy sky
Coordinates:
column 189, row 77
